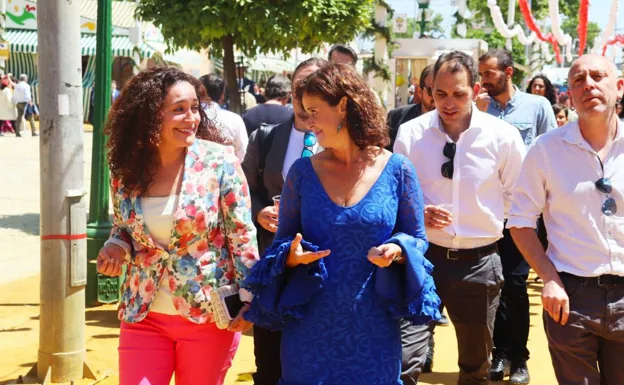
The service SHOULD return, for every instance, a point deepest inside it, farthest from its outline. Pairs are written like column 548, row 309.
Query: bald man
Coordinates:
column 575, row 177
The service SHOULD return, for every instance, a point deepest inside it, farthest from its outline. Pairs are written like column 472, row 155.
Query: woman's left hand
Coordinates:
column 384, row 255
column 240, row 324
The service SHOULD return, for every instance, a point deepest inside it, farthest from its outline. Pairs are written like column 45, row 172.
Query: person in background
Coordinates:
column 182, row 225
column 22, row 98
column 532, row 115
column 566, row 101
column 418, row 347
column 561, row 114
column 259, row 93
column 230, row 124
column 342, row 53
column 8, row 111
column 274, row 110
column 410, row 94
column 540, row 85
column 244, row 83
column 114, row 91
column 575, row 177
column 271, row 152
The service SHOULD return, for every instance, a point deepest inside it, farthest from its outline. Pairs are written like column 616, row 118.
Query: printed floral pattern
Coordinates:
column 213, row 241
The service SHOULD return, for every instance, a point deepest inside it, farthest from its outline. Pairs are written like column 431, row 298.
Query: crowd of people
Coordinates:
column 16, row 106
column 341, row 235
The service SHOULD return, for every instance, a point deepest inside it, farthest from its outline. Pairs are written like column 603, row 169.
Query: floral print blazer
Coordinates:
column 213, row 240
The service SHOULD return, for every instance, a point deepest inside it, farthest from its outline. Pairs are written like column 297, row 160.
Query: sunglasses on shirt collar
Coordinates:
column 609, row 207
column 447, row 167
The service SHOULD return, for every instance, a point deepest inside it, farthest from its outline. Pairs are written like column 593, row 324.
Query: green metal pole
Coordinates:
column 100, row 289
column 423, row 21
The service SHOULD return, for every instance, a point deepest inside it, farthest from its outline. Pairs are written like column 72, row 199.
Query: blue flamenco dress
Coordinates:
column 340, row 315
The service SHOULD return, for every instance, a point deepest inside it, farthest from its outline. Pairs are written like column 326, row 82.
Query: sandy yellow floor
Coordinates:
column 19, row 334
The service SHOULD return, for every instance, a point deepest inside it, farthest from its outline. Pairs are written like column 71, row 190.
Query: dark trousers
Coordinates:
column 470, row 291
column 589, row 348
column 511, row 330
column 21, row 108
column 267, row 352
column 415, row 343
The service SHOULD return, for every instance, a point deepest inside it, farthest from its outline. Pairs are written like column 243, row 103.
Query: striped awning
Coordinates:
column 121, row 46
column 22, row 40
column 26, row 41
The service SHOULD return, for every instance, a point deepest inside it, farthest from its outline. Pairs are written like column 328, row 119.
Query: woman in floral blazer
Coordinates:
column 182, row 224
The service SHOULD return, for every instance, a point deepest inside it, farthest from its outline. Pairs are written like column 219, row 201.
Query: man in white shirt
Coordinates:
column 22, row 99
column 575, row 177
column 467, row 162
column 230, row 123
column 271, row 152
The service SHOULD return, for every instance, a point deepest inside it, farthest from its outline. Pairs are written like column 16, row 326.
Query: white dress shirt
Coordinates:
column 487, row 162
column 21, row 94
column 232, row 127
column 558, row 178
column 294, row 150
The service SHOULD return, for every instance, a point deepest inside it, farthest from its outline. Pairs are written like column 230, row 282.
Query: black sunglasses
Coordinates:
column 447, row 167
column 609, row 207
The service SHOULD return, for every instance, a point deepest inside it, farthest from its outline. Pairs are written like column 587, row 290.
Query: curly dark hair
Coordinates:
column 134, row 124
column 551, row 95
column 366, row 118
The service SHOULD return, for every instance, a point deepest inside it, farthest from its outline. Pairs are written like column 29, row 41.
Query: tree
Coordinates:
column 255, row 26
column 433, row 28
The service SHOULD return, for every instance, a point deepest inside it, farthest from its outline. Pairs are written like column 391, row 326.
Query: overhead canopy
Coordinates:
column 26, row 41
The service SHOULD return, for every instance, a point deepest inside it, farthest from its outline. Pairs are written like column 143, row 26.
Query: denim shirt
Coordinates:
column 532, row 115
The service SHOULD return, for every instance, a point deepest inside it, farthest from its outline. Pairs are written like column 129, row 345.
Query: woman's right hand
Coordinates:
column 110, row 260
column 297, row 256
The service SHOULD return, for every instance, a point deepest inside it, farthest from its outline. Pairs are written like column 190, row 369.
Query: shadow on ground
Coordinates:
column 102, row 318
column 27, row 223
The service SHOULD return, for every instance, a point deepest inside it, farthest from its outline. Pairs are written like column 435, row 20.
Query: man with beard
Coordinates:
column 400, row 115
column 532, row 115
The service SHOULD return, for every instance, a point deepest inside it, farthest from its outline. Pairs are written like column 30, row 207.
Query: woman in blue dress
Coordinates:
column 348, row 259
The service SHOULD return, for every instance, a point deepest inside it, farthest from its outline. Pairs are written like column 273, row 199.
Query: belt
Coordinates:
column 601, row 280
column 464, row 254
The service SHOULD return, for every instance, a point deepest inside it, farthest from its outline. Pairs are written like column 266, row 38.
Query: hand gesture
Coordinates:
column 555, row 301
column 483, row 100
column 437, row 217
column 384, row 255
column 267, row 218
column 110, row 259
column 240, row 324
column 297, row 256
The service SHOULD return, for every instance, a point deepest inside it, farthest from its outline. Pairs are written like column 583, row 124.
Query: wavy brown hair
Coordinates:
column 366, row 118
column 134, row 125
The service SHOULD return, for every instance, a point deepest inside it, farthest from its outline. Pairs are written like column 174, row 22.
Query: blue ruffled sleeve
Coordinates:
column 408, row 290
column 280, row 293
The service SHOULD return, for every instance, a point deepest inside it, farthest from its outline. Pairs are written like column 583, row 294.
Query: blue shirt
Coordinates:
column 532, row 115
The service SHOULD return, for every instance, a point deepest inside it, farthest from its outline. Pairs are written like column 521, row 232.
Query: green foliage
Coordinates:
column 381, row 70
column 257, row 26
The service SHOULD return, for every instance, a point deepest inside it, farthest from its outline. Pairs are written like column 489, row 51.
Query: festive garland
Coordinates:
column 563, row 38
column 381, row 70
column 619, row 39
column 501, row 26
column 582, row 27
column 377, row 28
column 609, row 30
column 530, row 22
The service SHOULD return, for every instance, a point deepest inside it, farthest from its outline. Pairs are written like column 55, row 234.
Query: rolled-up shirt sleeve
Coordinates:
column 529, row 193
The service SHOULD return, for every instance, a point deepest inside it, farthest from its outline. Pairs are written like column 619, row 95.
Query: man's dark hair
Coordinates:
column 277, row 87
column 345, row 49
column 457, row 61
column 557, row 108
column 423, row 75
column 214, row 85
column 316, row 61
column 503, row 57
